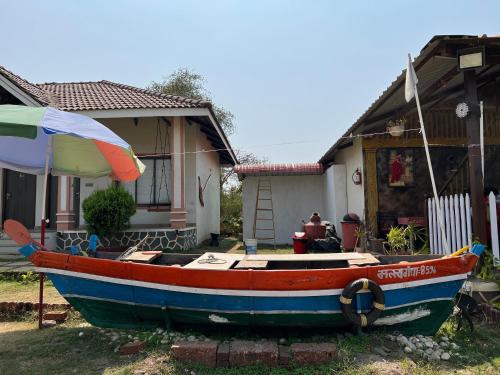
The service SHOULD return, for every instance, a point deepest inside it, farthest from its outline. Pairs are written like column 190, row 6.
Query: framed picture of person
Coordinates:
column 401, row 168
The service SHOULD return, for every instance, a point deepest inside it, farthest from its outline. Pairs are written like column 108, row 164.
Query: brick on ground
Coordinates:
column 132, row 347
column 313, row 353
column 58, row 316
column 223, row 355
column 200, row 352
column 285, row 355
column 249, row 353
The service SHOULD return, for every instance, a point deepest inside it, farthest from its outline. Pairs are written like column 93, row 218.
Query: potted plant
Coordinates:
column 414, row 235
column 397, row 240
column 396, row 128
column 361, row 236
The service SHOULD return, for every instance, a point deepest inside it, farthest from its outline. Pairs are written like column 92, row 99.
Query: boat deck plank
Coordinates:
column 225, row 261
column 368, row 259
column 252, row 264
column 214, row 261
column 306, row 257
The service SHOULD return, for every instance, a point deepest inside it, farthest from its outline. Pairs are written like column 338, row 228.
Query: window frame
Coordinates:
column 152, row 207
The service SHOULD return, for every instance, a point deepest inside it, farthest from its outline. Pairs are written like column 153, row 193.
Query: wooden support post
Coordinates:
column 371, row 192
column 178, row 207
column 474, row 152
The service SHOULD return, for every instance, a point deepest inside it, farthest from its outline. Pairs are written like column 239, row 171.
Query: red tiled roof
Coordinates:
column 99, row 95
column 289, row 169
column 103, row 95
column 35, row 92
column 106, row 95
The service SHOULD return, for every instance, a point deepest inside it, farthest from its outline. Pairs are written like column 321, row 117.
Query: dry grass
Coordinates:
column 61, row 350
column 12, row 291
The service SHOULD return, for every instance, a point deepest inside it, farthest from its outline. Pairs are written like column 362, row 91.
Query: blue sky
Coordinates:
column 295, row 74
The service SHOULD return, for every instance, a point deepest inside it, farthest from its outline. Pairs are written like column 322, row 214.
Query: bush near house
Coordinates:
column 231, row 211
column 108, row 211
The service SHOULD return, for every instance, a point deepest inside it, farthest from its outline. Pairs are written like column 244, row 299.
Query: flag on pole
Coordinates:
column 411, row 92
column 411, row 81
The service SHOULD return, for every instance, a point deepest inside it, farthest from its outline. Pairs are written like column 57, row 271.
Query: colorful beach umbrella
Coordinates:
column 35, row 138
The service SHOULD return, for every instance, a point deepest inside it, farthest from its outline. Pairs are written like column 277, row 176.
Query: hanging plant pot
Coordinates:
column 396, row 128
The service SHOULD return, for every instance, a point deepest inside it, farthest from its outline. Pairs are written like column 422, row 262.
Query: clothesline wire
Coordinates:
column 349, row 137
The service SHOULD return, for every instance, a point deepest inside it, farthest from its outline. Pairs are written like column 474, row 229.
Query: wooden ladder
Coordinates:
column 264, row 214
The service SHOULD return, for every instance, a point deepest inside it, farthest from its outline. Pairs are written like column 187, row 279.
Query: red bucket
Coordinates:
column 299, row 245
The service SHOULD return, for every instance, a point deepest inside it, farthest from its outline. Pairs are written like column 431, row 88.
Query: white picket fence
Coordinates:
column 457, row 212
column 494, row 229
column 457, row 220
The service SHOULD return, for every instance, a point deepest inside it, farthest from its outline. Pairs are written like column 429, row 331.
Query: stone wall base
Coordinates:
column 159, row 239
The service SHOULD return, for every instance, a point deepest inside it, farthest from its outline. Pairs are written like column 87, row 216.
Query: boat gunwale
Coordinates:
column 286, row 280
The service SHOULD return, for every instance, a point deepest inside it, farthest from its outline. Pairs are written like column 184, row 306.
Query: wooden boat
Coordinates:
column 258, row 290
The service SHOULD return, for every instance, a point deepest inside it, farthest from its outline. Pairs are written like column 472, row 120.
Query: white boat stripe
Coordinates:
column 245, row 311
column 246, row 293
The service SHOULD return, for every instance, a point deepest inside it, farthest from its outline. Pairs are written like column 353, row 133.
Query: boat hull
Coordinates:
column 418, row 295
column 119, row 315
column 413, row 307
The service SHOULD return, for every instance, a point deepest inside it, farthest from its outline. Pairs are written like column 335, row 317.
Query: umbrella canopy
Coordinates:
column 78, row 145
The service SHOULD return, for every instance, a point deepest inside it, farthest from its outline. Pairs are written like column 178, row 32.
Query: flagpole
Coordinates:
column 43, row 224
column 429, row 163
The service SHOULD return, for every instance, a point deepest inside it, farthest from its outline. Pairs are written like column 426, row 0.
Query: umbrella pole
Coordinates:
column 43, row 224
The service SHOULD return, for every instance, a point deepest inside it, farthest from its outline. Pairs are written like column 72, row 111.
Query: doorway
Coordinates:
column 19, row 198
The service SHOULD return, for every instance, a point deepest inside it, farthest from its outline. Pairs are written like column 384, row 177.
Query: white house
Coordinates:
column 395, row 182
column 178, row 139
column 298, row 190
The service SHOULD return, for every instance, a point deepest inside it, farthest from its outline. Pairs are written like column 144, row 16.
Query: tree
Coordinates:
column 228, row 177
column 191, row 85
column 188, row 84
column 231, row 210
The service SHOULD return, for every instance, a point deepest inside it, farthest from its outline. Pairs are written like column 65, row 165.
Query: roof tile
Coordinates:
column 38, row 94
column 104, row 95
column 283, row 169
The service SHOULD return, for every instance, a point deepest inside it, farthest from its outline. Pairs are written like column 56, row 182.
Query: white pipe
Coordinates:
column 431, row 172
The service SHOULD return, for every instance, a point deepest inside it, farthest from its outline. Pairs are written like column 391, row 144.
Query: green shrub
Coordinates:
column 231, row 211
column 108, row 211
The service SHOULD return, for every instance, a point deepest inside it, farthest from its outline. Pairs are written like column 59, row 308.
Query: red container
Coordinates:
column 349, row 234
column 299, row 245
column 315, row 228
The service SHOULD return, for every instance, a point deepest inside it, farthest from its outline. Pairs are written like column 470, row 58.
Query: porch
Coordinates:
column 178, row 139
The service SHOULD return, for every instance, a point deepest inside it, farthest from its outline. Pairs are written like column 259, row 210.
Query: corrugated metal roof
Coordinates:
column 430, row 67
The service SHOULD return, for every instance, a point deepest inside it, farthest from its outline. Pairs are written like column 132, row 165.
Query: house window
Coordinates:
column 152, row 189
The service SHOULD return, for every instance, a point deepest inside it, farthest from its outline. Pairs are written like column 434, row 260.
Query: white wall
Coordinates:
column 294, row 199
column 143, row 139
column 335, row 195
column 352, row 157
column 87, row 187
column 207, row 164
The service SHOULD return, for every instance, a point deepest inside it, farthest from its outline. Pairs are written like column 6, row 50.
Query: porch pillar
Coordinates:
column 474, row 152
column 178, row 204
column 65, row 206
column 371, row 189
